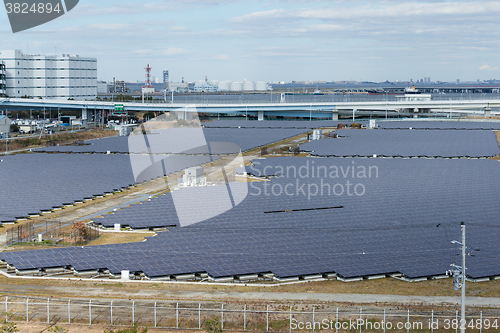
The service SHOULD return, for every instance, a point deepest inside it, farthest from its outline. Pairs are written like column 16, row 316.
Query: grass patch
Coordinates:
column 120, row 237
column 60, row 138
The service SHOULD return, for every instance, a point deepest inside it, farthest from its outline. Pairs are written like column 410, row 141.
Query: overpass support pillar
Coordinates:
column 181, row 115
column 260, row 115
column 415, row 113
column 85, row 116
column 335, row 114
column 487, row 112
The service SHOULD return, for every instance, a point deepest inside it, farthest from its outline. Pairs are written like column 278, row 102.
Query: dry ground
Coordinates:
column 113, row 288
column 119, row 238
column 78, row 328
column 60, row 138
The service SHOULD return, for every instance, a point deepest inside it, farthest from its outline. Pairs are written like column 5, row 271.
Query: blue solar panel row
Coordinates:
column 431, row 143
column 158, row 212
column 355, row 217
column 443, row 125
column 274, row 124
column 32, row 183
column 184, row 141
column 65, row 179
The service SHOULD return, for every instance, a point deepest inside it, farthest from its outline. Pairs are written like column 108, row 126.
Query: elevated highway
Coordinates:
column 403, row 107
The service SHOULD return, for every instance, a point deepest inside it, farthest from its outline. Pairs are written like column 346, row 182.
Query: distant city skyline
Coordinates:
column 276, row 40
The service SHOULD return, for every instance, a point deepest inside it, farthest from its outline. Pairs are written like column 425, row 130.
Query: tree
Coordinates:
column 14, row 128
column 79, row 230
column 148, row 115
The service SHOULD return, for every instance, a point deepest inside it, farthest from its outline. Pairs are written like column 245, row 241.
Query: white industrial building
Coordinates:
column 202, row 86
column 59, row 76
column 5, row 123
column 102, row 87
column 180, row 87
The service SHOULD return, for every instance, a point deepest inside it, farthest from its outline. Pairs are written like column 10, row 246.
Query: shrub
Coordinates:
column 182, row 122
column 9, row 327
column 212, row 325
column 57, row 329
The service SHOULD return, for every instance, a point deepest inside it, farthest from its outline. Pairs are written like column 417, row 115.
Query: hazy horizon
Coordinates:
column 276, row 40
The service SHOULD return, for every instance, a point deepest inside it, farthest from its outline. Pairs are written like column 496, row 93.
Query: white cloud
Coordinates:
column 179, row 29
column 143, row 51
column 172, row 51
column 487, row 67
column 221, row 57
column 377, row 9
column 174, row 5
column 83, row 10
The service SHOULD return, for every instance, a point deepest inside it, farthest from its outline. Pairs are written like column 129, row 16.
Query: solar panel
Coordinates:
column 443, row 124
column 32, row 183
column 384, row 222
column 176, row 140
column 274, row 124
column 431, row 143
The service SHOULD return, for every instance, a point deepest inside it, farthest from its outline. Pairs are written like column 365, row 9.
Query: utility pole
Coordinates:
column 462, row 321
column 459, row 276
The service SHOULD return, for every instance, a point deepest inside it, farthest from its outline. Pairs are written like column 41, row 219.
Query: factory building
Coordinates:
column 202, row 86
column 180, row 87
column 59, row 76
column 5, row 123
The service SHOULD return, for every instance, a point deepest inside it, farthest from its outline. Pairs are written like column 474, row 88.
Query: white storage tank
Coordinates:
column 317, row 134
column 236, row 86
column 224, row 85
column 261, row 86
column 249, row 86
column 214, row 83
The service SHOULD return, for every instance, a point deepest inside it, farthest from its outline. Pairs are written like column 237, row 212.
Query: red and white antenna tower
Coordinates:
column 148, row 77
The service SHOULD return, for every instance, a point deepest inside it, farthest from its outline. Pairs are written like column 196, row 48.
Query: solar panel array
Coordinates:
column 443, row 125
column 355, row 217
column 158, row 212
column 181, row 140
column 431, row 143
column 47, row 181
column 32, row 183
column 274, row 124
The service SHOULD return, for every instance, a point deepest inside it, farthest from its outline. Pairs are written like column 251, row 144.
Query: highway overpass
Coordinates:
column 404, row 107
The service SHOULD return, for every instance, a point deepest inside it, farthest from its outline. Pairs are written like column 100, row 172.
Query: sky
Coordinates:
column 275, row 40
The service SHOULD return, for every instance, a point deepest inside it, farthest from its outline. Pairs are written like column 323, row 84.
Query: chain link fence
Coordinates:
column 247, row 317
column 52, row 233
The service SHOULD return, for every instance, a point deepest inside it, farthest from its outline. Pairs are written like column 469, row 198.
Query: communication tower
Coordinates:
column 148, row 77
